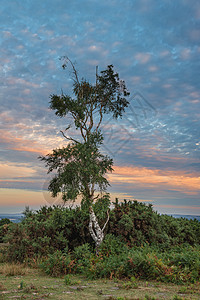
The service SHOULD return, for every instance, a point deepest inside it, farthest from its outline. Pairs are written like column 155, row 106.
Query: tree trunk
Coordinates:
column 95, row 230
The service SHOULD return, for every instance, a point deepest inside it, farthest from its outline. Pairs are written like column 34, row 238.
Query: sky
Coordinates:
column 153, row 45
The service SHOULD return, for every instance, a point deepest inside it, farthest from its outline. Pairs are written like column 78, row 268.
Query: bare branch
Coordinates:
column 96, row 197
column 91, row 119
column 96, row 74
column 101, row 118
column 73, row 67
column 83, row 135
column 106, row 221
column 69, row 138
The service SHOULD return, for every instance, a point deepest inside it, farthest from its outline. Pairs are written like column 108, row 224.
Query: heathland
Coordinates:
column 144, row 255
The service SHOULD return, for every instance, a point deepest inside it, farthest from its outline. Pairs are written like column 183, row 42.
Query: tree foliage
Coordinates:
column 80, row 166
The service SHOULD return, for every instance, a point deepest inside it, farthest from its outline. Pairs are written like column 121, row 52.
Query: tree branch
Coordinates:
column 83, row 135
column 69, row 138
column 106, row 221
column 74, row 69
column 101, row 117
column 91, row 118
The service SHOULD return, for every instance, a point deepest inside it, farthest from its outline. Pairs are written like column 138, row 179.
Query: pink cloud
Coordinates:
column 156, row 179
column 143, row 58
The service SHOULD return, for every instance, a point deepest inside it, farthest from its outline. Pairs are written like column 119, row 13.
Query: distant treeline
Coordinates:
column 15, row 218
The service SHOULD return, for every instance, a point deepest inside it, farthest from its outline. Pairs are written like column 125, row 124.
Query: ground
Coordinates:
column 20, row 282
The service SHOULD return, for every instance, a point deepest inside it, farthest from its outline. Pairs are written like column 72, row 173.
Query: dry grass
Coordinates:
column 13, row 270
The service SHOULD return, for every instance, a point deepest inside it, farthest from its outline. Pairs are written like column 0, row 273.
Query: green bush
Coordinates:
column 106, row 267
column 67, row 280
column 138, row 224
column 45, row 231
column 112, row 245
column 4, row 225
column 18, row 244
column 82, row 255
column 57, row 264
column 138, row 242
column 179, row 265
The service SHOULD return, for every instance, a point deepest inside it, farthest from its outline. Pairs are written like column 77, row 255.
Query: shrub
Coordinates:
column 177, row 266
column 57, row 264
column 82, row 255
column 18, row 243
column 112, row 245
column 138, row 242
column 4, row 225
column 67, row 280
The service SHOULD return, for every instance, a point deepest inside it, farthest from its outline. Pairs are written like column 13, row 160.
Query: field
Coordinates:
column 20, row 282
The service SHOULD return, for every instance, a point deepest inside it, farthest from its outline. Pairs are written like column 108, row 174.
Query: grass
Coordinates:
column 25, row 283
column 13, row 269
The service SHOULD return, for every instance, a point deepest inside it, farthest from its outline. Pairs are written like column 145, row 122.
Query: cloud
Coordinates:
column 157, row 179
column 155, row 49
column 15, row 200
column 143, row 58
column 15, row 171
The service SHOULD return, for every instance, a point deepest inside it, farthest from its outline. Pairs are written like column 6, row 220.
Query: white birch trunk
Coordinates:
column 95, row 230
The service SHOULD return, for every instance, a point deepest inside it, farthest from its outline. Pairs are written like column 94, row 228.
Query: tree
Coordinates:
column 80, row 166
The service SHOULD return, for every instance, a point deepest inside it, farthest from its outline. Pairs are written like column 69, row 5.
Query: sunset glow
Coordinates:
column 155, row 48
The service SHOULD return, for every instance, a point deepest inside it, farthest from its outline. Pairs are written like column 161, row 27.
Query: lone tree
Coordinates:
column 80, row 166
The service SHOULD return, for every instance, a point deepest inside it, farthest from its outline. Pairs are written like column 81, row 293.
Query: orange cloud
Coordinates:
column 15, row 197
column 149, row 178
column 31, row 143
column 9, row 170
